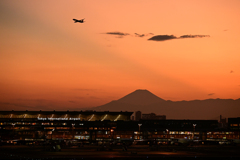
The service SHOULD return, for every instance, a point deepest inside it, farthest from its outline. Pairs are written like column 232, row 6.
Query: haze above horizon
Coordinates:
column 178, row 50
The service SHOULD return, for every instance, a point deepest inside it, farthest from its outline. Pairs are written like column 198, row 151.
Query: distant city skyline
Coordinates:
column 178, row 50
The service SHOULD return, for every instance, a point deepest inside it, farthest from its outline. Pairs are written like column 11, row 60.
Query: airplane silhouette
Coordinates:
column 80, row 21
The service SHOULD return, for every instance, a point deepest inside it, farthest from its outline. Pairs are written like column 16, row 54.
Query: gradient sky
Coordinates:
column 49, row 62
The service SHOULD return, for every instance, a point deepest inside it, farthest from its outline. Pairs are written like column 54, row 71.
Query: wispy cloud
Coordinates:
column 156, row 37
column 162, row 37
column 193, row 36
column 142, row 35
column 122, row 34
column 118, row 34
column 210, row 94
column 170, row 37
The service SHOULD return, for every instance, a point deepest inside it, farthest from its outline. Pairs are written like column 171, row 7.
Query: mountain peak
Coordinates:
column 141, row 97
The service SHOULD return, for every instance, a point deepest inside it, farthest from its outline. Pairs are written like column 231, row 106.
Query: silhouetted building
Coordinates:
column 223, row 122
column 153, row 116
column 138, row 115
column 234, row 124
column 132, row 118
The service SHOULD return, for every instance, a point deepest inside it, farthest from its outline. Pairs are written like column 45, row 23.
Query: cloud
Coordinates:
column 193, row 36
column 162, row 37
column 143, row 35
column 155, row 38
column 119, row 34
column 210, row 94
column 170, row 37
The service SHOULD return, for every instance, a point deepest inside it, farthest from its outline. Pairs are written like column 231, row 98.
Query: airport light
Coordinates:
column 139, row 125
column 104, row 117
column 117, row 117
column 167, row 134
column 91, row 118
column 194, row 125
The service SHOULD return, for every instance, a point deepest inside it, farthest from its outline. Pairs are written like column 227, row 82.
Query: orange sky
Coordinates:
column 49, row 62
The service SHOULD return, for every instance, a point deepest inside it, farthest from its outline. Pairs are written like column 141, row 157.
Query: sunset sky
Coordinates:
column 176, row 49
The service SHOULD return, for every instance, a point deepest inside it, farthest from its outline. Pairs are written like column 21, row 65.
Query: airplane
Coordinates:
column 80, row 21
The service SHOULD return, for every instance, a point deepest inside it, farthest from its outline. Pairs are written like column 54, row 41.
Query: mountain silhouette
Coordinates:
column 141, row 97
column 147, row 102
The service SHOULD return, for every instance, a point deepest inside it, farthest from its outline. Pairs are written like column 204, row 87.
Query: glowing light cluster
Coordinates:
column 51, row 119
column 104, row 117
column 117, row 117
column 91, row 118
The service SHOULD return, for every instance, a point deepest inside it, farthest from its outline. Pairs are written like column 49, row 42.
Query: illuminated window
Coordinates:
column 104, row 117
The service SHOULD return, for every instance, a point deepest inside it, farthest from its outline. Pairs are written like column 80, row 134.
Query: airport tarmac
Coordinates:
column 133, row 152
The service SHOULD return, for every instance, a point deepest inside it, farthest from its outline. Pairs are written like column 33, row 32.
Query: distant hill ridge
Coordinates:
column 147, row 102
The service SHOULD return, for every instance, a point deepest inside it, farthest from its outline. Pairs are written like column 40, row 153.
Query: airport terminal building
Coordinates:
column 95, row 126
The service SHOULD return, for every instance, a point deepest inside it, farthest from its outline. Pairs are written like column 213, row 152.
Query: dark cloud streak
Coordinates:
column 143, row 35
column 170, row 37
column 210, row 94
column 118, row 33
column 121, row 34
column 193, row 36
column 157, row 37
column 162, row 37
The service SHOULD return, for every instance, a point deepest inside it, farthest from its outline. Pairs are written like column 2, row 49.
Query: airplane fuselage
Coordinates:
column 80, row 21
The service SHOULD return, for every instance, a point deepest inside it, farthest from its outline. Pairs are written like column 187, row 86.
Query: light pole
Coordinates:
column 194, row 125
column 167, row 135
column 139, row 125
column 13, row 130
column 112, row 133
column 73, row 130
